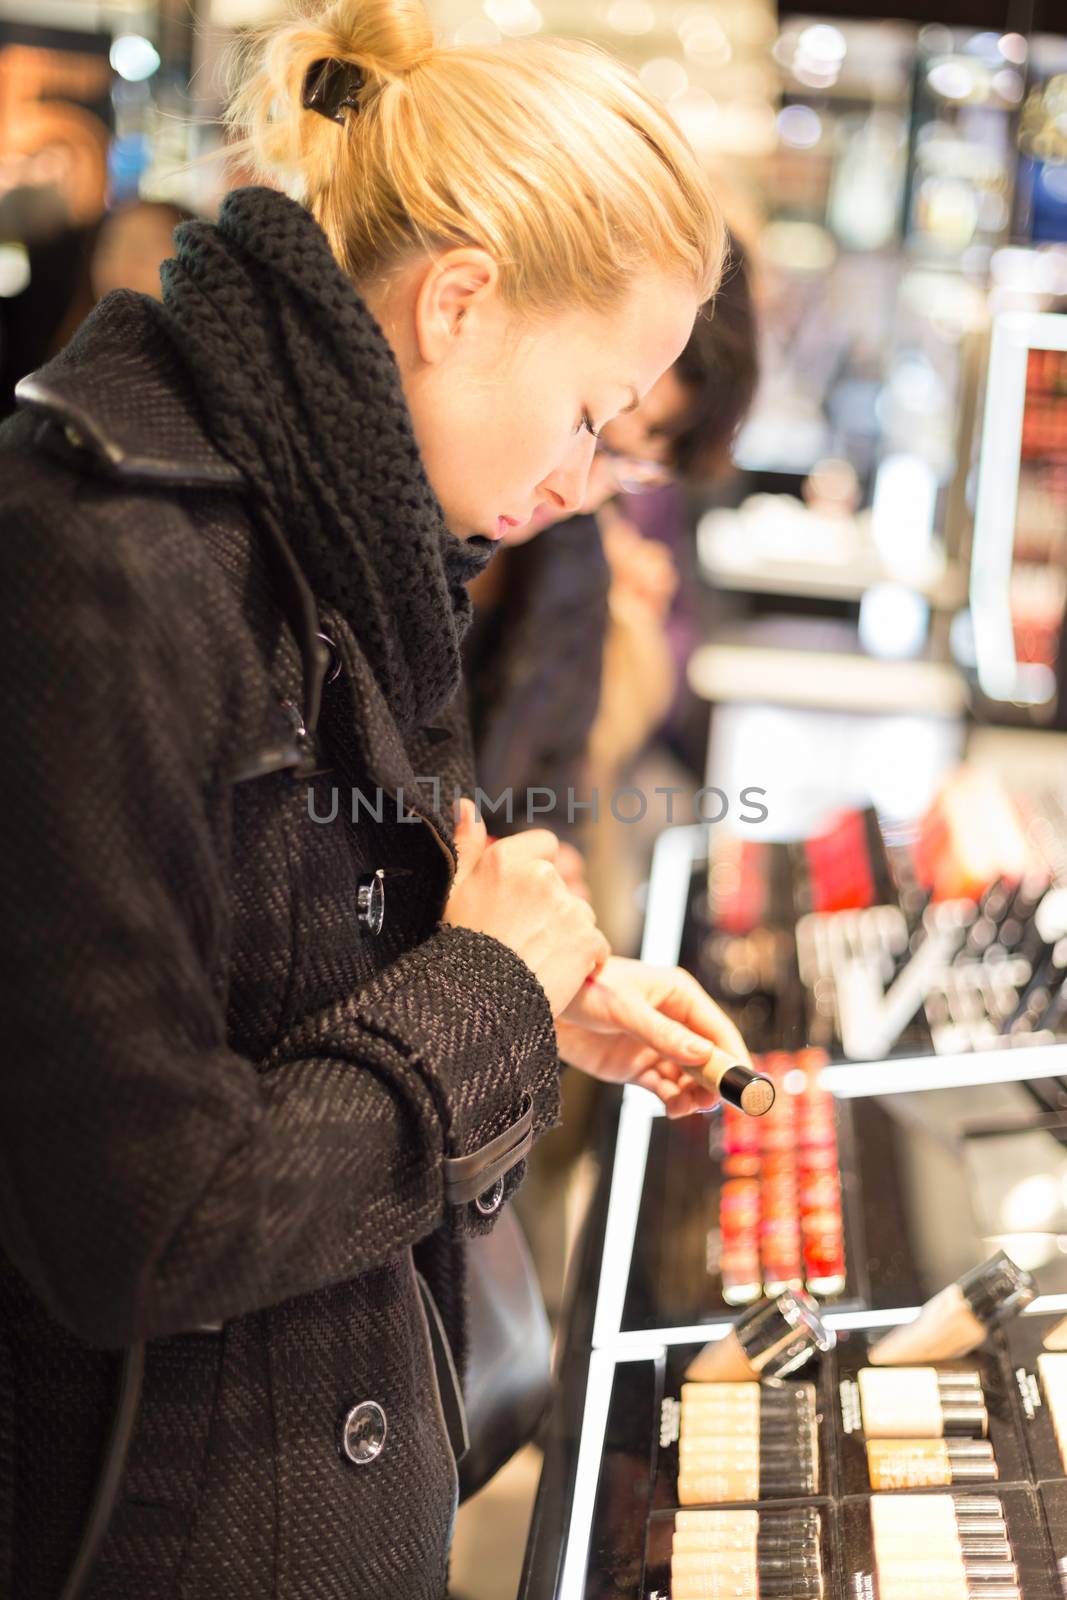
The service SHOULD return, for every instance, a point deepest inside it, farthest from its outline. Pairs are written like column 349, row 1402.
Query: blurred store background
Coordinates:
column 899, row 183
column 878, row 582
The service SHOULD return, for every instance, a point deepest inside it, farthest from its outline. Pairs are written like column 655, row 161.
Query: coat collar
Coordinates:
column 129, row 403
column 120, row 394
column 132, row 408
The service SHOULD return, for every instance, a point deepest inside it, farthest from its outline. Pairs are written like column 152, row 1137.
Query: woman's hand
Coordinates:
column 639, row 1024
column 514, row 893
column 570, row 864
column 644, row 576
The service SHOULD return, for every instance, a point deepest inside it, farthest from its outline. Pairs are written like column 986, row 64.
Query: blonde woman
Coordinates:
column 271, row 1050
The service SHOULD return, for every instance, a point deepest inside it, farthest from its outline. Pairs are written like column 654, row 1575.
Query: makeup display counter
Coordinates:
column 873, row 1184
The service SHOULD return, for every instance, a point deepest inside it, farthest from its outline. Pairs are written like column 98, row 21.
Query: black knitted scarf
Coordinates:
column 301, row 390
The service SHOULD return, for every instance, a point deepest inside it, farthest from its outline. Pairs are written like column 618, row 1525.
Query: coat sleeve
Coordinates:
column 151, row 1179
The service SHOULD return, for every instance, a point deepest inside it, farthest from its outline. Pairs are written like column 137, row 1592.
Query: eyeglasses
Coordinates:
column 630, row 474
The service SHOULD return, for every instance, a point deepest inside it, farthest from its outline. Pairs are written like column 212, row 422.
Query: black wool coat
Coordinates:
column 234, row 1120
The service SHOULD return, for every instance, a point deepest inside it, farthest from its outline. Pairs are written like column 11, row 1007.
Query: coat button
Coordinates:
column 363, row 1430
column 333, row 669
column 489, row 1202
column 370, row 901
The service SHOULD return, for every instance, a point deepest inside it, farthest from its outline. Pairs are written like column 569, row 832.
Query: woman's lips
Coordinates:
column 502, row 526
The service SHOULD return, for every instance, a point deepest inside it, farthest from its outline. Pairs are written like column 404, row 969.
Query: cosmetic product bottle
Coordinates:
column 920, row 1403
column 733, row 1446
column 917, row 1548
column 747, row 1555
column 741, row 1086
column 771, row 1339
column 929, row 1463
column 1056, row 1337
column 957, row 1320
column 1052, row 1370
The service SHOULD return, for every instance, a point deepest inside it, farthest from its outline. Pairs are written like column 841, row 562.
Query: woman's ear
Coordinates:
column 454, row 289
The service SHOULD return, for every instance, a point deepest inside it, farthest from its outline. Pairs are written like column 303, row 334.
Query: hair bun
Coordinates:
column 387, row 38
column 590, row 187
column 268, row 115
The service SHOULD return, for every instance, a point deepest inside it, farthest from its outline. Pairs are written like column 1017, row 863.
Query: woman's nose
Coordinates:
column 565, row 487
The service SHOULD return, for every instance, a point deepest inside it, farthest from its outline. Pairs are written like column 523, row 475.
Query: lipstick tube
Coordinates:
column 739, row 1085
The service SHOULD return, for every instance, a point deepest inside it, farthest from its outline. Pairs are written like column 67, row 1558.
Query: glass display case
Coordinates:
column 876, row 1184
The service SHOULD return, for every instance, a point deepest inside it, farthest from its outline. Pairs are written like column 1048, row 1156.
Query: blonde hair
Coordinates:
column 547, row 153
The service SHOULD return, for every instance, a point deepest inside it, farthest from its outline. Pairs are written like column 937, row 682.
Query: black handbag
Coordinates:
column 509, row 1362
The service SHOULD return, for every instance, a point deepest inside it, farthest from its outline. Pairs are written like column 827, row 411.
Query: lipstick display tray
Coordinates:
column 851, row 1440
column 675, row 1276
column 1023, row 1344
column 856, row 1568
column 1053, row 1498
column 1031, row 1489
column 847, row 1549
column 849, row 1564
column 657, row 1583
column 665, row 1495
column 842, row 1443
column 636, row 1504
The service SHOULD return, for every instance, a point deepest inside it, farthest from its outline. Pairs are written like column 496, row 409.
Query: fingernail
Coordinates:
column 699, row 1049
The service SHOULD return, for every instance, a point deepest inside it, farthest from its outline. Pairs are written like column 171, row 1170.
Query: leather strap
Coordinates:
column 466, row 1177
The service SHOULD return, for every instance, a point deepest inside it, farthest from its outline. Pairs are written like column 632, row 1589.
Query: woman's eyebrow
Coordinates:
column 634, row 403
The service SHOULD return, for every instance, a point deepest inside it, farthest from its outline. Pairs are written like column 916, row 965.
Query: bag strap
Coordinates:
column 114, row 1463
column 448, row 1384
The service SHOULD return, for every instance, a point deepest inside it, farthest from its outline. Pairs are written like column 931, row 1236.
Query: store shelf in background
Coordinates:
column 1031, row 760
column 873, row 939
column 996, row 14
column 822, row 680
column 806, row 557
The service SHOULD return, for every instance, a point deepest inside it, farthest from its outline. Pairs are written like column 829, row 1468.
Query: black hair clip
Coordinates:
column 331, row 88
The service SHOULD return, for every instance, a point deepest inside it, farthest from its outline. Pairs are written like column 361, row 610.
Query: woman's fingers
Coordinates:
column 471, row 839
column 688, row 1003
column 626, row 1008
column 681, row 1097
column 535, row 844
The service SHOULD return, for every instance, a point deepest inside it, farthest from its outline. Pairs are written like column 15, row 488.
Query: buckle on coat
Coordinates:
column 297, row 754
column 467, row 1177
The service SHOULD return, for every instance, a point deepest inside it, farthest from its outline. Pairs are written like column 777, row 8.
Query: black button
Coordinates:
column 363, row 1430
column 489, row 1202
column 333, row 658
column 370, row 902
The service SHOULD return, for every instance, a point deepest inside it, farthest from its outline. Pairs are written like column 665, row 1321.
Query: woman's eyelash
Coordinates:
column 587, row 424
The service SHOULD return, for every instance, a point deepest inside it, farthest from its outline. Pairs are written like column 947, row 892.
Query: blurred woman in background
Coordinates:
column 583, row 624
